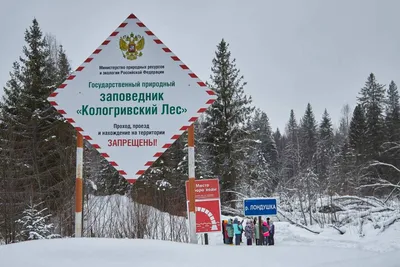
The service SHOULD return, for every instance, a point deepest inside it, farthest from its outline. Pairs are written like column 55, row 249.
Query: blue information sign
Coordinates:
column 260, row 206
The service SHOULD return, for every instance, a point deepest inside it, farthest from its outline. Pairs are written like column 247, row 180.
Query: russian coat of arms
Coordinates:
column 131, row 46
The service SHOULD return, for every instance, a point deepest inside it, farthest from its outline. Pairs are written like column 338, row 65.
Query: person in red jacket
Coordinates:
column 265, row 232
column 224, row 232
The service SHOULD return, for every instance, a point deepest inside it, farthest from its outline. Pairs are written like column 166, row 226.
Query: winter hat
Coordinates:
column 265, row 223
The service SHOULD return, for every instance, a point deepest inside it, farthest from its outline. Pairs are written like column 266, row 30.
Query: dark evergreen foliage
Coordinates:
column 225, row 134
column 357, row 139
column 372, row 100
column 308, row 138
column 233, row 142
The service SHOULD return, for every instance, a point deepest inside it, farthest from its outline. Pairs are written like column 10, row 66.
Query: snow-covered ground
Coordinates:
column 290, row 235
column 117, row 216
column 294, row 247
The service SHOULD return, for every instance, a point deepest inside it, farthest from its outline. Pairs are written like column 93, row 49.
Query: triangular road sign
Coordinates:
column 132, row 98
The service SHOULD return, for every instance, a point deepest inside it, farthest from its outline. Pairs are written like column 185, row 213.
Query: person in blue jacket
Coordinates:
column 237, row 229
column 230, row 232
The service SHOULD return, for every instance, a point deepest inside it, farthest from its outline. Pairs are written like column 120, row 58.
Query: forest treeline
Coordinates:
column 234, row 142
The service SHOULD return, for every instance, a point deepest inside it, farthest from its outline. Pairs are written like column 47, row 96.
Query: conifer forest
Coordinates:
column 313, row 167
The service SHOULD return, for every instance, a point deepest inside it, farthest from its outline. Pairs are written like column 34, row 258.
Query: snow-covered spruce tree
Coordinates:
column 291, row 154
column 280, row 142
column 357, row 139
column 389, row 153
column 372, row 99
column 203, row 163
column 344, row 174
column 65, row 142
column 262, row 131
column 325, row 148
column 391, row 147
column 307, row 183
column 308, row 139
column 9, row 160
column 262, row 158
column 34, row 224
column 224, row 127
column 38, row 137
column 178, row 166
column 392, row 118
column 202, row 169
column 342, row 133
column 63, row 66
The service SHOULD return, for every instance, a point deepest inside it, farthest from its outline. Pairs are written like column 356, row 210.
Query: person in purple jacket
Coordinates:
column 271, row 227
column 249, row 232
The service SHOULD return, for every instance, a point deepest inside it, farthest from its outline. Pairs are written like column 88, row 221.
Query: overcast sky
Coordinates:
column 290, row 52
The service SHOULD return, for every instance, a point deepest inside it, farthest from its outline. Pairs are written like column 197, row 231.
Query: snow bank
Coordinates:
column 117, row 216
column 287, row 234
column 101, row 252
column 388, row 241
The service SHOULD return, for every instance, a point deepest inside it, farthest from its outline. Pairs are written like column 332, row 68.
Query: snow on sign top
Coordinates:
column 132, row 98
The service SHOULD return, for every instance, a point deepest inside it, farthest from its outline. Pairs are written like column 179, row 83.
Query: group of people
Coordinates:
column 232, row 231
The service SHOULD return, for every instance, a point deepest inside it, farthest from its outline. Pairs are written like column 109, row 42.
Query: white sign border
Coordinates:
column 132, row 19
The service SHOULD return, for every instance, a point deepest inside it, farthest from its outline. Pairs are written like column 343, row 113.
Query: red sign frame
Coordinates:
column 208, row 205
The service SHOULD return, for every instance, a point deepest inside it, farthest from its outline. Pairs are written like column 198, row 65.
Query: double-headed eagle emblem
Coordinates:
column 131, row 46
